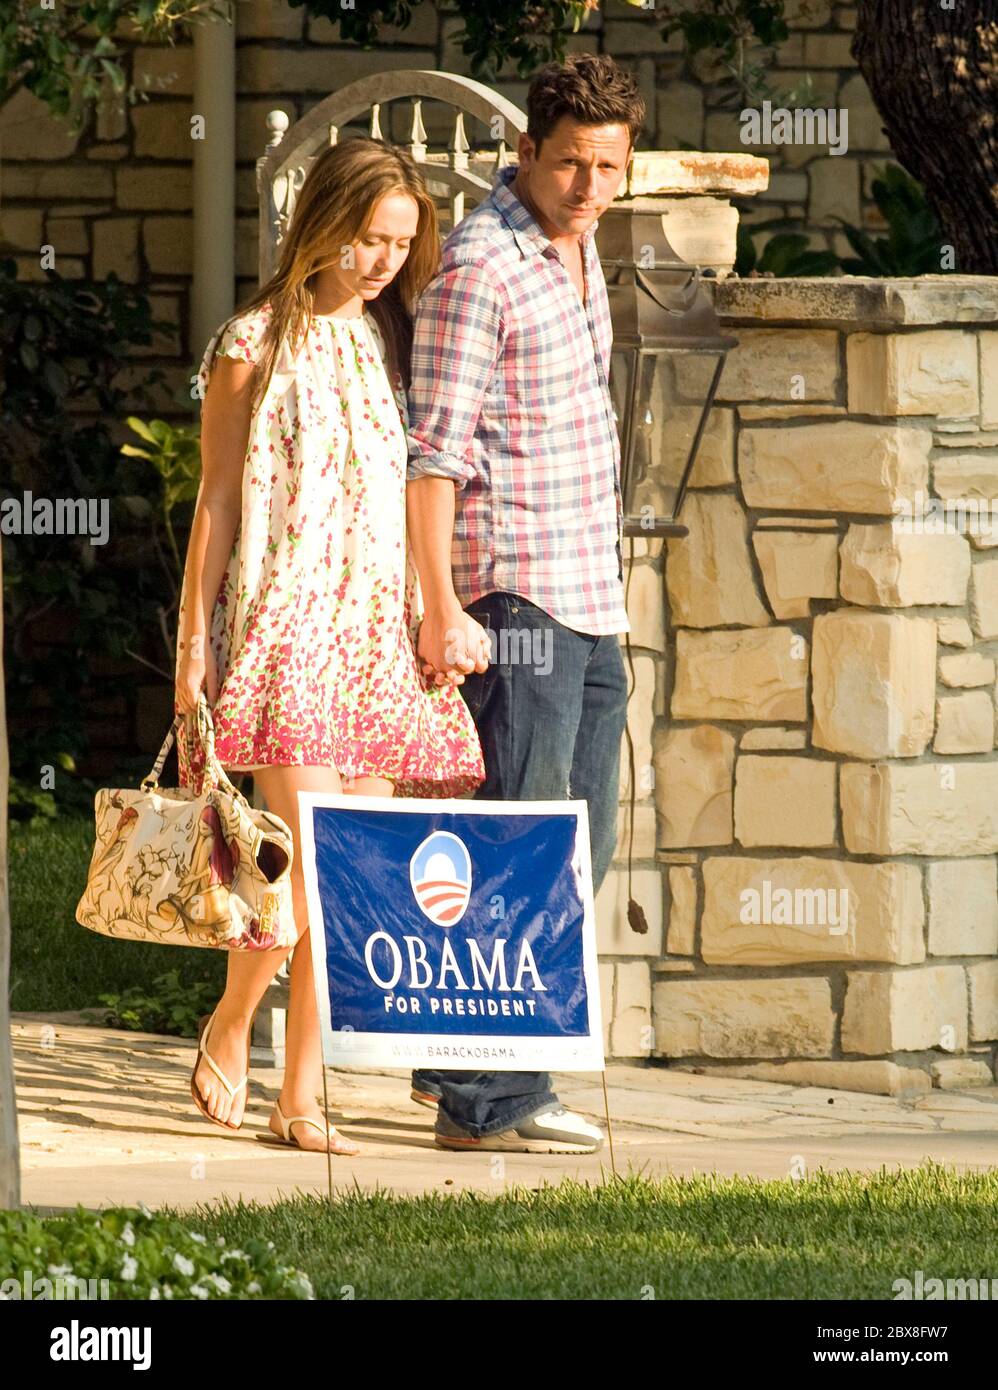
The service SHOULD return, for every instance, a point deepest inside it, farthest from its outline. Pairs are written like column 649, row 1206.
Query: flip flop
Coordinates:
column 338, row 1143
column 204, row 1028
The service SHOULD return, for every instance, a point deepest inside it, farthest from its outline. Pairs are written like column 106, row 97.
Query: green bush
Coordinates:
column 169, row 1005
column 785, row 254
column 913, row 244
column 71, row 56
column 71, row 607
column 175, row 453
column 911, row 247
column 142, row 1255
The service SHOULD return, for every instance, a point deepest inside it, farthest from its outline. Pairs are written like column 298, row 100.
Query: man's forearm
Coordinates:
column 429, row 505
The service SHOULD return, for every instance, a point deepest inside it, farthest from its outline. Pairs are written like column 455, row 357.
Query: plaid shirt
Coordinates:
column 509, row 399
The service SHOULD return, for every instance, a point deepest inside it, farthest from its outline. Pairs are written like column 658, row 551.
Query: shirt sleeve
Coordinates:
column 457, row 338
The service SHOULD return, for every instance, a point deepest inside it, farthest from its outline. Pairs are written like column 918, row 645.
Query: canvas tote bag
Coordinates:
column 190, row 868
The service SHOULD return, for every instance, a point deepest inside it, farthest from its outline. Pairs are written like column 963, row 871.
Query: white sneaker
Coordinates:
column 554, row 1131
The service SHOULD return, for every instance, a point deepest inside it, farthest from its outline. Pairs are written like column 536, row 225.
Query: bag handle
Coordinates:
column 206, row 732
column 151, row 780
column 215, row 774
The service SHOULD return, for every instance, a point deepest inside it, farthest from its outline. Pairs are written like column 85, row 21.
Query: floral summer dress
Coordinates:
column 314, row 626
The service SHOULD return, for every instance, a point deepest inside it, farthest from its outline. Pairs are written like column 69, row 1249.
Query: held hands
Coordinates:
column 451, row 645
column 195, row 670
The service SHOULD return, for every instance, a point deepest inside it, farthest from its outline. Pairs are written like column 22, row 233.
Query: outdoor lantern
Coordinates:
column 667, row 358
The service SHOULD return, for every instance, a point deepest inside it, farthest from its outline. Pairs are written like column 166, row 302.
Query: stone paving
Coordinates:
column 106, row 1117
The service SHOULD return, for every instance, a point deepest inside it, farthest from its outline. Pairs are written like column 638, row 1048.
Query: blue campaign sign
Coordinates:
column 456, row 933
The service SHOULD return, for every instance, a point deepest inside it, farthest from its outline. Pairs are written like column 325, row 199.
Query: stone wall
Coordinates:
column 814, row 707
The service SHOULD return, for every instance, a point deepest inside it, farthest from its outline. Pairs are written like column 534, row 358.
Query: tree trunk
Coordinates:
column 10, row 1164
column 932, row 68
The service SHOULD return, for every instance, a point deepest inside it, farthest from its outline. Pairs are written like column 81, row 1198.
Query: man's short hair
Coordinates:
column 588, row 87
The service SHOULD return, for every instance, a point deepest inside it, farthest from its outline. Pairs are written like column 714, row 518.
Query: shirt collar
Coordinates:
column 525, row 228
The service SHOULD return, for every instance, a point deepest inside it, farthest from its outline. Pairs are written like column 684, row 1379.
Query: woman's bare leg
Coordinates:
column 303, row 1044
column 249, row 973
column 247, row 977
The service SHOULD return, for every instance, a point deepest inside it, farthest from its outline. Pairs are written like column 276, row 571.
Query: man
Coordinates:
column 514, row 512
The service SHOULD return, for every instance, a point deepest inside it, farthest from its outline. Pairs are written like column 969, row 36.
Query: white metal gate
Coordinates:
column 452, row 175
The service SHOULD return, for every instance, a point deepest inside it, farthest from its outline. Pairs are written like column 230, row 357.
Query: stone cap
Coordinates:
column 860, row 299
column 670, row 172
column 661, row 173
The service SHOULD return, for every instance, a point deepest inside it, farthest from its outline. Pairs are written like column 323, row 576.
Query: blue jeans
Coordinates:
column 550, row 717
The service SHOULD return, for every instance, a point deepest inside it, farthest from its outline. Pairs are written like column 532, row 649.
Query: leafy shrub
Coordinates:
column 170, row 1005
column 175, row 453
column 912, row 245
column 70, row 55
column 142, row 1255
column 70, row 606
column 525, row 34
column 785, row 254
column 739, row 35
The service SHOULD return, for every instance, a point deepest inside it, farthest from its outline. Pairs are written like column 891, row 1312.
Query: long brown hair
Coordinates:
column 333, row 210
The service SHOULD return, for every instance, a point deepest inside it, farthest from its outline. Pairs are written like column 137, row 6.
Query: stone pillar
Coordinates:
column 823, row 746
column 692, row 191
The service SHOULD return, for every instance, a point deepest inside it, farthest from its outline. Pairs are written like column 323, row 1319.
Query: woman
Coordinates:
column 300, row 604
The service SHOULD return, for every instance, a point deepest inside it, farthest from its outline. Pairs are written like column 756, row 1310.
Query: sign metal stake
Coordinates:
column 609, row 1127
column 329, row 1142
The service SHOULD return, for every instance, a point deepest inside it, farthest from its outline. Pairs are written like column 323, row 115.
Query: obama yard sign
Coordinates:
column 452, row 933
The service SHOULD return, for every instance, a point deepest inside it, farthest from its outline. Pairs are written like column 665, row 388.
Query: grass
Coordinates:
column 55, row 963
column 830, row 1236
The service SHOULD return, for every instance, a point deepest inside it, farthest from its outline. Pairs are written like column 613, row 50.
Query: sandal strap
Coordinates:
column 307, row 1120
column 286, row 1121
column 232, row 1090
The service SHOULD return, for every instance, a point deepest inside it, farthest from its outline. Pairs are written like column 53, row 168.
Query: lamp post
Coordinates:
column 668, row 355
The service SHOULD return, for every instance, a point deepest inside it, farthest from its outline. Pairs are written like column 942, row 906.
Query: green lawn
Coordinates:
column 831, row 1236
column 57, row 964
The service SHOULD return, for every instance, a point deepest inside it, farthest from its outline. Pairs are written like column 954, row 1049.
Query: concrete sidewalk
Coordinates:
column 106, row 1118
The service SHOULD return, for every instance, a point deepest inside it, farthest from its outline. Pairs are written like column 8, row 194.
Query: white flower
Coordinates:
column 128, row 1235
column 129, row 1268
column 146, row 1211
column 199, row 1291
column 183, row 1265
column 221, row 1284
column 154, row 1292
column 235, row 1255
column 220, row 1240
column 254, row 1287
column 199, row 1238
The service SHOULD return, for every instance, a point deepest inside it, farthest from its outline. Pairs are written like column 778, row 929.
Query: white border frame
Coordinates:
column 344, row 1047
